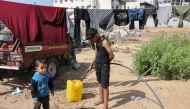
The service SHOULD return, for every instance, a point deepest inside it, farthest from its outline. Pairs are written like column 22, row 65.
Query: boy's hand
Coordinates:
column 52, row 94
column 89, row 69
column 35, row 101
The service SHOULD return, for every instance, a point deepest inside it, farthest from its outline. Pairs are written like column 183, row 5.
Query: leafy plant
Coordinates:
column 172, row 63
column 127, row 50
column 115, row 49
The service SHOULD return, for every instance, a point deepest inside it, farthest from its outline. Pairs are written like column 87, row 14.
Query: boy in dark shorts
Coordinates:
column 102, row 60
column 41, row 83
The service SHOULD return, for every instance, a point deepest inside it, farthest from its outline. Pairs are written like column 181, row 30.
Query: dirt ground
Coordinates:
column 174, row 94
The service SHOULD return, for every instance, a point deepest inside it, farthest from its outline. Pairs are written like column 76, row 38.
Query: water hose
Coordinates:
column 136, row 75
column 86, row 75
column 143, row 81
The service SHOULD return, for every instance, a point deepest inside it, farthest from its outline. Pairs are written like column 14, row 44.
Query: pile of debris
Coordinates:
column 118, row 35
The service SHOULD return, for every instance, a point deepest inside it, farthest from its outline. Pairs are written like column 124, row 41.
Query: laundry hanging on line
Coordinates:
column 136, row 14
column 183, row 12
column 102, row 18
column 164, row 14
column 147, row 13
column 70, row 24
column 55, row 20
column 80, row 14
column 121, row 17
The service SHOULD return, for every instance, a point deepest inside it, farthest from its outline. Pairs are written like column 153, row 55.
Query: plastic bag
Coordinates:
column 76, row 65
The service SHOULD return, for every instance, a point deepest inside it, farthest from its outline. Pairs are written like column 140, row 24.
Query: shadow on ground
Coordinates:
column 118, row 83
column 87, row 108
column 23, row 81
column 124, row 96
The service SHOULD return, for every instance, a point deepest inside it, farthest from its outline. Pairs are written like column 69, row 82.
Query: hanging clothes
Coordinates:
column 183, row 12
column 150, row 6
column 102, row 18
column 121, row 17
column 136, row 15
column 34, row 23
column 69, row 23
column 147, row 13
column 70, row 27
column 80, row 14
column 164, row 14
column 164, row 4
column 52, row 24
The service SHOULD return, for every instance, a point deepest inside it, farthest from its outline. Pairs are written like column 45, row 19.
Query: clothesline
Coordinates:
column 97, row 18
column 118, row 9
column 106, row 18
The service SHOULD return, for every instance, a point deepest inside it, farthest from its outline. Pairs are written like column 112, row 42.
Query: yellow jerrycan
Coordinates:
column 74, row 90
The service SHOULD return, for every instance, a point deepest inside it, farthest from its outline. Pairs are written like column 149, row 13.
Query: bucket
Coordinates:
column 74, row 90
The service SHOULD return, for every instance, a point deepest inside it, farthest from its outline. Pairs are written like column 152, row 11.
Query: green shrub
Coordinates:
column 172, row 65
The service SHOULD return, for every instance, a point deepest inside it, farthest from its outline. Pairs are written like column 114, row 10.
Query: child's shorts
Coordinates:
column 103, row 74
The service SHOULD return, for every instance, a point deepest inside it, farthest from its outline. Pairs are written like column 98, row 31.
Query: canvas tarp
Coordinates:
column 34, row 23
column 183, row 12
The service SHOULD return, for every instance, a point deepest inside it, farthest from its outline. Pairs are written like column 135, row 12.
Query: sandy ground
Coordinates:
column 173, row 94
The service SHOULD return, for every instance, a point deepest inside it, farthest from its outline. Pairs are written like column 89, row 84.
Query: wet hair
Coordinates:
column 40, row 61
column 91, row 33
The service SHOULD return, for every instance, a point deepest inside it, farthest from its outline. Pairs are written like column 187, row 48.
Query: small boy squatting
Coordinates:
column 41, row 83
column 102, row 60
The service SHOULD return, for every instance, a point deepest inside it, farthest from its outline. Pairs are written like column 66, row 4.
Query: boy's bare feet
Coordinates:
column 98, row 102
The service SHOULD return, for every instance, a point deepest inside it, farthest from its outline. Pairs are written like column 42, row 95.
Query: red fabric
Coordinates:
column 34, row 23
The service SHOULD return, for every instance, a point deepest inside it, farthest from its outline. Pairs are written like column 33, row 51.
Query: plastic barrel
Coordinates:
column 74, row 90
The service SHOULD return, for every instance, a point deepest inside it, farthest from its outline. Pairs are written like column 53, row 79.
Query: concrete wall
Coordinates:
column 132, row 5
column 97, row 4
column 72, row 4
column 149, row 1
column 103, row 4
column 115, row 4
column 136, row 3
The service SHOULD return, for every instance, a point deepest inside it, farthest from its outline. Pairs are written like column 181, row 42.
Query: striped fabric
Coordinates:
column 102, row 18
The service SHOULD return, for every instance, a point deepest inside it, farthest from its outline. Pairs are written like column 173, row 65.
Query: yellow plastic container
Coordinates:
column 74, row 90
